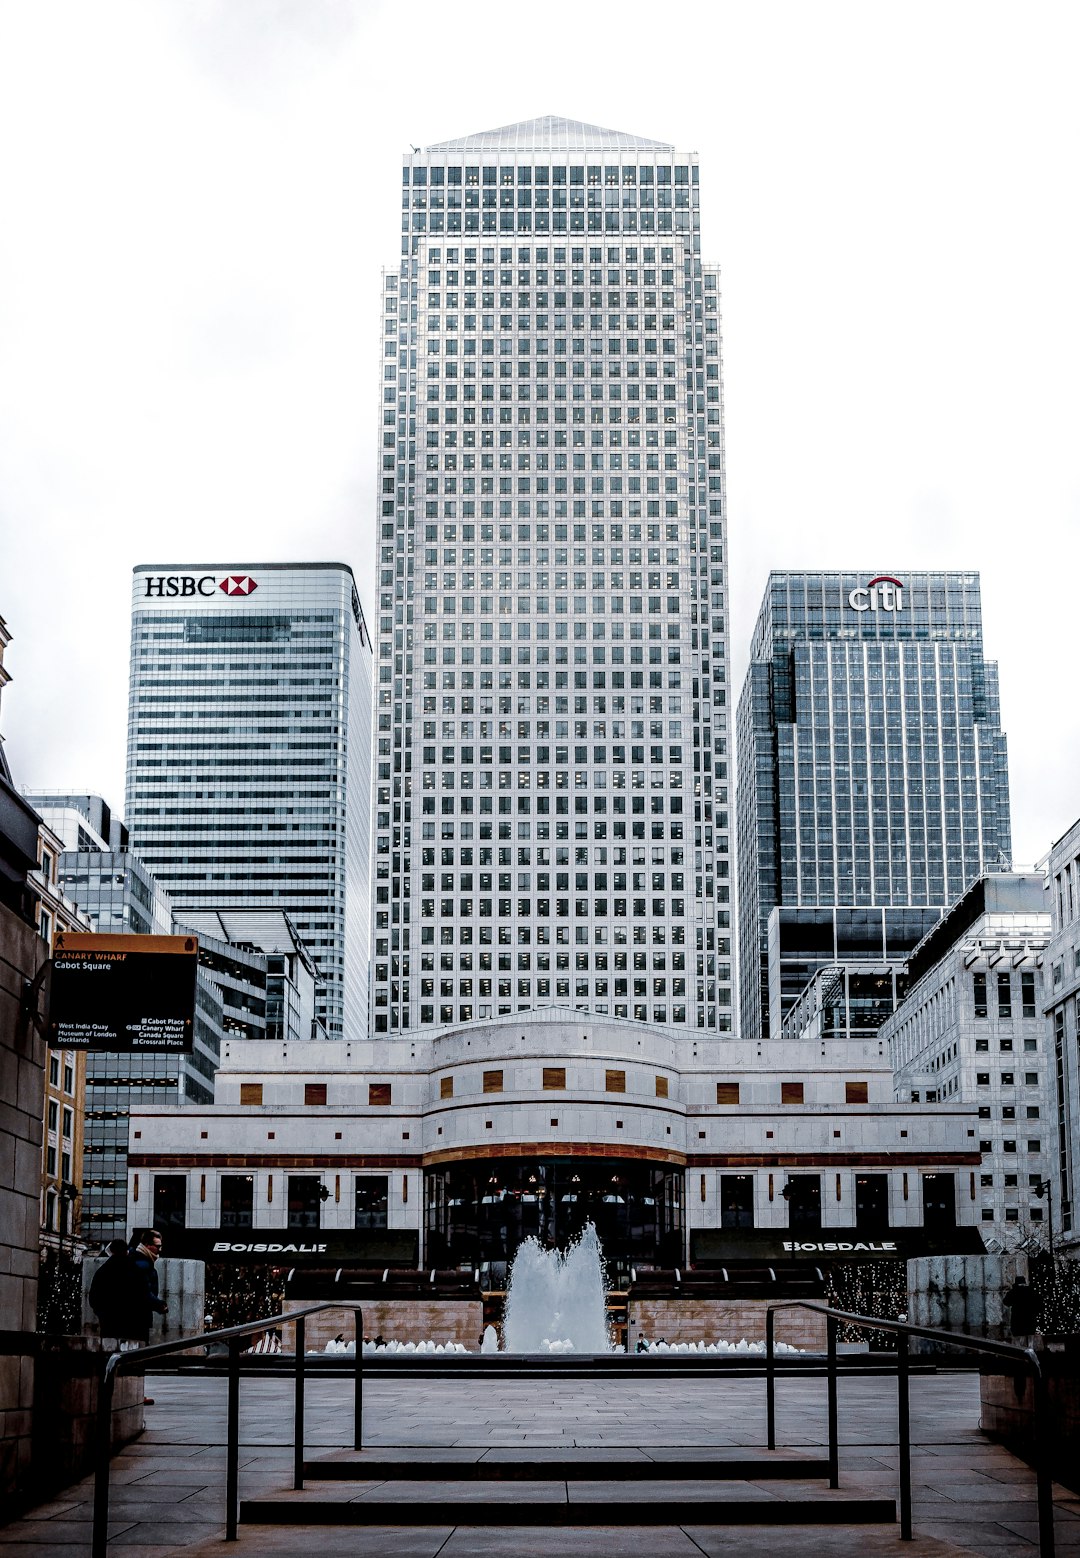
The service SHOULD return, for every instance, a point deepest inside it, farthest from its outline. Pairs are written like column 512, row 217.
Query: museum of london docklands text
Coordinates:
column 249, row 755
column 551, row 811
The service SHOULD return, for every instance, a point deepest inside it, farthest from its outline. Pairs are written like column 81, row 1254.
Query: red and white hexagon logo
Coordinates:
column 238, row 584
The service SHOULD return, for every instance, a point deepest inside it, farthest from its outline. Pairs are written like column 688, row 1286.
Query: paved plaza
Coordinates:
column 970, row 1497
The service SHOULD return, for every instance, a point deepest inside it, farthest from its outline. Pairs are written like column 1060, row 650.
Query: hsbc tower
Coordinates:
column 249, row 754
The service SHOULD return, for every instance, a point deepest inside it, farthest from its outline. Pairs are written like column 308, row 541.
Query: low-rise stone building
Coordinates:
column 971, row 1033
column 722, row 1157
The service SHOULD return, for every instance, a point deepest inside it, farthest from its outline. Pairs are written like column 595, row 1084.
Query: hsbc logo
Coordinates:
column 186, row 585
column 881, row 594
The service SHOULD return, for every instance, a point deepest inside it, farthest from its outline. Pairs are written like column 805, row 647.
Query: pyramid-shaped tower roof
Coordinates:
column 551, row 134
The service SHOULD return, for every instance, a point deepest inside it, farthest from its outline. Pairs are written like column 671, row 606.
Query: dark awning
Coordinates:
column 730, row 1246
column 282, row 1247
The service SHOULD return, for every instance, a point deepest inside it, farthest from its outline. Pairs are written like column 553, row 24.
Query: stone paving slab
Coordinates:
column 971, row 1498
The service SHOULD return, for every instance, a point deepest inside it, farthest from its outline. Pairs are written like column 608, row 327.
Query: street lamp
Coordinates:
column 1045, row 1188
column 68, row 1194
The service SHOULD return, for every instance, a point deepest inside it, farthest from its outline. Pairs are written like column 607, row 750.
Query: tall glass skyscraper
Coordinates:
column 551, row 817
column 872, row 764
column 249, row 755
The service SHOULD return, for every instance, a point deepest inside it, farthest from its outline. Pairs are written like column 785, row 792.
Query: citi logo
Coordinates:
column 185, row 585
column 882, row 594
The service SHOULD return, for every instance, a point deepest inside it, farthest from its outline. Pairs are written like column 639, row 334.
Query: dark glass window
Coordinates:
column 304, row 1202
column 1004, row 984
column 736, row 1200
column 979, row 986
column 237, row 1200
column 939, row 1202
column 803, row 1196
column 170, row 1201
column 372, row 1197
column 871, row 1202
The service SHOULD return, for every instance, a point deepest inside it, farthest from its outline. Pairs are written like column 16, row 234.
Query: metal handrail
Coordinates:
column 1025, row 1357
column 127, row 1362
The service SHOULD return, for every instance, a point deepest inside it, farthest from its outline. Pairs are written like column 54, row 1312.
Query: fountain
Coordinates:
column 557, row 1302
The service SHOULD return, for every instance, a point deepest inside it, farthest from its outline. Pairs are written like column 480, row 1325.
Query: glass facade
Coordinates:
column 481, row 1212
column 872, row 763
column 113, row 888
column 249, row 752
column 551, row 808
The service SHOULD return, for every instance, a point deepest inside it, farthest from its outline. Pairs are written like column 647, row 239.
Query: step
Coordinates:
column 484, row 1467
column 555, row 1504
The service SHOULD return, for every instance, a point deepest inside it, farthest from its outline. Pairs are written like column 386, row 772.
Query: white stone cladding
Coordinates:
column 552, row 708
column 1061, row 994
column 422, row 1127
column 971, row 1033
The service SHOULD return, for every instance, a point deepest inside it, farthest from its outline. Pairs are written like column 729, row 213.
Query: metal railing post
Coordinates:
column 834, row 1431
column 100, row 1540
column 232, row 1443
column 1044, row 1442
column 770, row 1376
column 298, row 1409
column 903, row 1413
column 358, row 1382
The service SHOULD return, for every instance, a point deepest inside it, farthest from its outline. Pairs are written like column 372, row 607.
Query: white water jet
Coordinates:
column 557, row 1302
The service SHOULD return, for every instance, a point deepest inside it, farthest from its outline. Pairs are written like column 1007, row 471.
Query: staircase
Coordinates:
column 528, row 1488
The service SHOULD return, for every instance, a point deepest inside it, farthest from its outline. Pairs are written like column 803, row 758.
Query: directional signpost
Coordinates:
column 123, row 993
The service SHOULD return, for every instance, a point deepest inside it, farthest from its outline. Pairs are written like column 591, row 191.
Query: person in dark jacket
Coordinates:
column 117, row 1294
column 1022, row 1302
column 145, row 1252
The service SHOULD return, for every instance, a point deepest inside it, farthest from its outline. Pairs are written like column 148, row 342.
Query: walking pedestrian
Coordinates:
column 1022, row 1302
column 145, row 1248
column 117, row 1294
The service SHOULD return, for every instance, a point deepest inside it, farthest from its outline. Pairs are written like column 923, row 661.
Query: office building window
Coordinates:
column 372, row 1195
column 237, row 1200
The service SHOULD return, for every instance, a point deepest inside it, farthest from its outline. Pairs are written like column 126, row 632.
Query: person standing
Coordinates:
column 1022, row 1302
column 145, row 1252
column 145, row 1248
column 116, row 1294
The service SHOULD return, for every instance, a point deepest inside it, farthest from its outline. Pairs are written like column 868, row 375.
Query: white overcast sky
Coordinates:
column 197, row 197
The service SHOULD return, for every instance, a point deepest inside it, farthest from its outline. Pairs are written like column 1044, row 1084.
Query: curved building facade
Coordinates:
column 486, row 1133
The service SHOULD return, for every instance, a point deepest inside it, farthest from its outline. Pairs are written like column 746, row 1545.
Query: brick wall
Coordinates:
column 721, row 1319
column 399, row 1320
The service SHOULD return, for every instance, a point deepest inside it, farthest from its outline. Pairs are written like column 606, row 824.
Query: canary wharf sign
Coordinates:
column 883, row 593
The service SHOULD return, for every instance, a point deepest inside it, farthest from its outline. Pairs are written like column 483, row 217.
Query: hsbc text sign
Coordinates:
column 881, row 594
column 189, row 585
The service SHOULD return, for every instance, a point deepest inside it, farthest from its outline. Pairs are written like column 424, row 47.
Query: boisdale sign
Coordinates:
column 840, row 1246
column 376, row 1247
column 186, row 585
